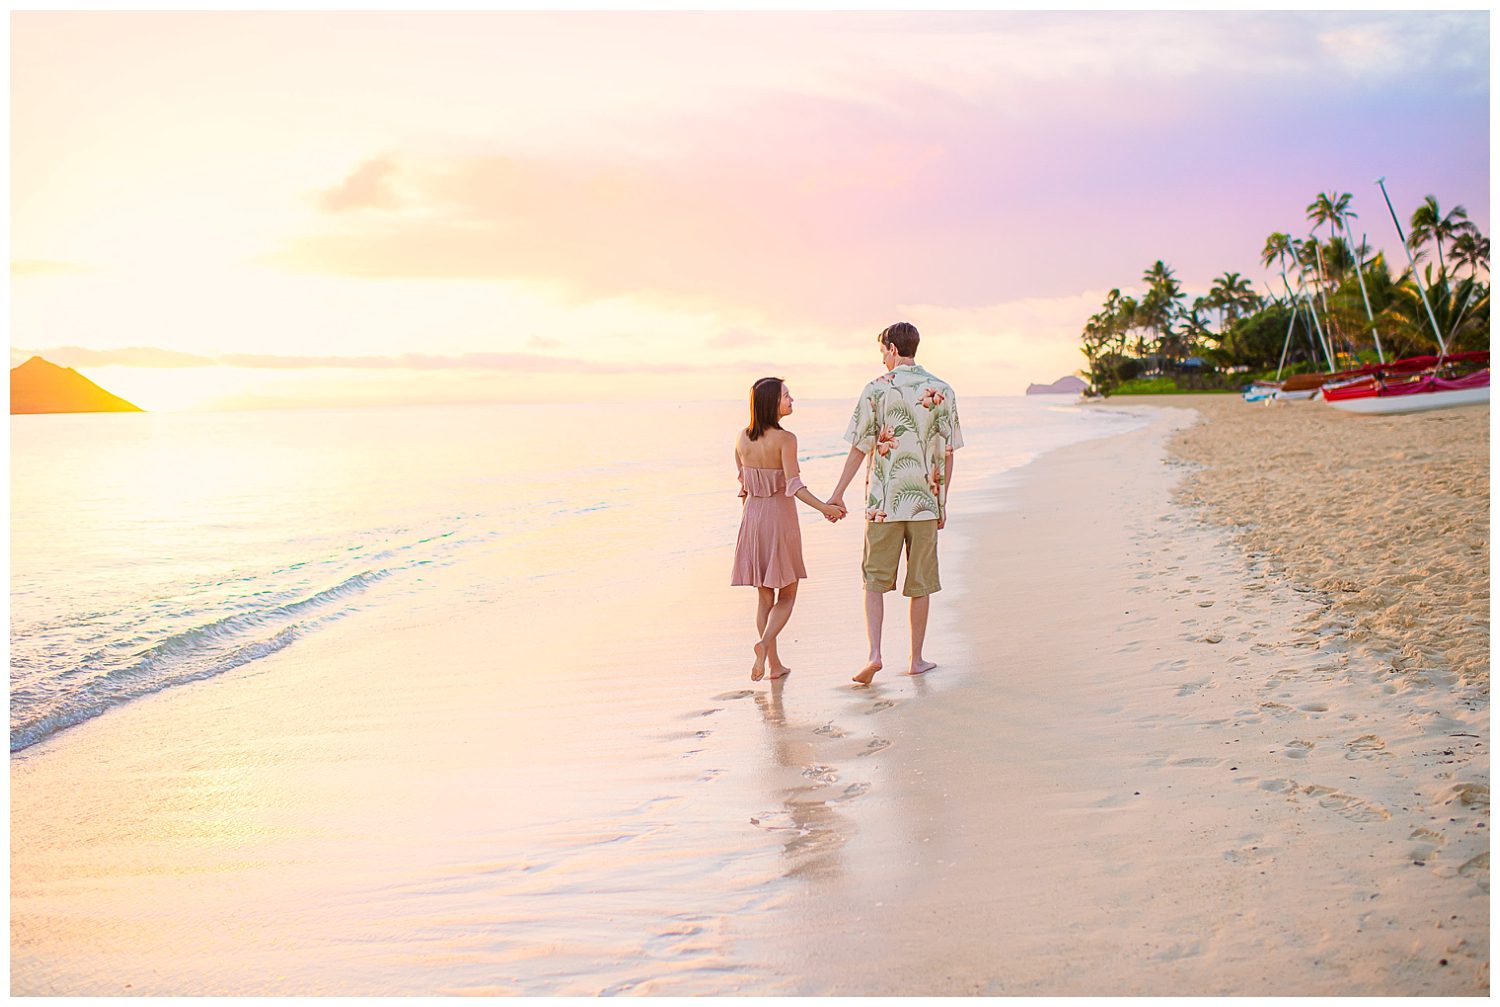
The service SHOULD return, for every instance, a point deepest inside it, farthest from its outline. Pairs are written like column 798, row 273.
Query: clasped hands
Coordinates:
column 836, row 503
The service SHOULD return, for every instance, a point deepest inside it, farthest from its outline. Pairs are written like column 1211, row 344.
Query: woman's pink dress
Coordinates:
column 769, row 550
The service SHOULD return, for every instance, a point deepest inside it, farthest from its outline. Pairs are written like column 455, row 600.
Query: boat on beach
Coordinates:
column 1415, row 384
column 1301, row 386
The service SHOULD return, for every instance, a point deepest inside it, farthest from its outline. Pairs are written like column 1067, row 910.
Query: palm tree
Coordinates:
column 1461, row 310
column 1160, row 306
column 1329, row 210
column 1429, row 223
column 1326, row 209
column 1278, row 247
column 1233, row 295
column 1472, row 249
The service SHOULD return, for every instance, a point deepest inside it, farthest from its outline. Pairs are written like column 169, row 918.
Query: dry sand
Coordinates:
column 1386, row 518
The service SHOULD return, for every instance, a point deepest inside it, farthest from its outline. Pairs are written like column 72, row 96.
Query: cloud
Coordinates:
column 535, row 363
column 826, row 208
column 130, row 356
column 368, row 186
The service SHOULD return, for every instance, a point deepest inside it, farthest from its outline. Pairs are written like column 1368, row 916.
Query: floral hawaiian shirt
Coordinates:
column 906, row 420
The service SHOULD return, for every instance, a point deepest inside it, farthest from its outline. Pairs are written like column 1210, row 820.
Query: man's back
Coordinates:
column 905, row 421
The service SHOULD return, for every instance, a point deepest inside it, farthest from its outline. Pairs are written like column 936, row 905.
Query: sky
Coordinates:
column 264, row 210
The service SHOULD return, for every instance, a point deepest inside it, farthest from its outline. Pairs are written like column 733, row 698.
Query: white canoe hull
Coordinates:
column 1414, row 403
column 1286, row 396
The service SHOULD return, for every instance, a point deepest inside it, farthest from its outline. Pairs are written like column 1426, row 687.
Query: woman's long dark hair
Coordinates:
column 765, row 407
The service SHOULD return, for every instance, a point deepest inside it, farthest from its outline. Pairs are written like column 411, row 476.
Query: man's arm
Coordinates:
column 947, row 486
column 851, row 468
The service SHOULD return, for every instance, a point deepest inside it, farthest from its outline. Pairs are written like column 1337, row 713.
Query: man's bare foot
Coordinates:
column 758, row 669
column 921, row 667
column 867, row 673
column 779, row 670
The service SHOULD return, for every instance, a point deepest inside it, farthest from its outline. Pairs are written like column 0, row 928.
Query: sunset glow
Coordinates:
column 257, row 210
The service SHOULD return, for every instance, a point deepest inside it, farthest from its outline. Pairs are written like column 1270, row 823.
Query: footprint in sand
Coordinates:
column 821, row 774
column 1470, row 795
column 1214, row 638
column 1314, row 707
column 1366, row 746
column 883, row 704
column 828, row 730
column 737, row 694
column 1205, row 604
column 852, row 791
column 1298, row 749
column 702, row 713
column 1346, row 805
column 1177, row 952
column 1278, row 786
column 875, row 745
column 1427, row 845
column 1475, row 865
column 1196, row 761
column 1246, row 854
column 1188, row 688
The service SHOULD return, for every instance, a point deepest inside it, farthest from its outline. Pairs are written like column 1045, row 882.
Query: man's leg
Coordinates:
column 921, row 583
column 919, row 609
column 882, row 555
column 874, row 622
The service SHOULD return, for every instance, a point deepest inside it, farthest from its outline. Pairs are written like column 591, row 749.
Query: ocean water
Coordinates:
column 149, row 551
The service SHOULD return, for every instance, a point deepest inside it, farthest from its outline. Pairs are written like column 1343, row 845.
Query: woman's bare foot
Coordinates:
column 867, row 673
column 779, row 670
column 758, row 669
column 921, row 667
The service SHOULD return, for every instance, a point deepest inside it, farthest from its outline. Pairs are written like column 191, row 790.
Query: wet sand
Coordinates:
column 1153, row 759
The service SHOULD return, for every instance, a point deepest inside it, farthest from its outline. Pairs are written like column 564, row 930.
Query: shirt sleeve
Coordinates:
column 863, row 428
column 955, row 432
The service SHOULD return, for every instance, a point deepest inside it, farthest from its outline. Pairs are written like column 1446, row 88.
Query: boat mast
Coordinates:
column 1287, row 343
column 1322, row 289
column 1312, row 309
column 1442, row 346
column 1360, row 269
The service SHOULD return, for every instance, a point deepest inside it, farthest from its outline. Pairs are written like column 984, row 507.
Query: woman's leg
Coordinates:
column 765, row 601
column 776, row 622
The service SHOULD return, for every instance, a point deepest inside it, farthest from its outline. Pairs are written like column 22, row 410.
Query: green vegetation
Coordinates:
column 1163, row 386
column 1337, row 298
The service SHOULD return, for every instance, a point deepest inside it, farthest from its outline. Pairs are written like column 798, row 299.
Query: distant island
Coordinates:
column 39, row 386
column 1062, row 386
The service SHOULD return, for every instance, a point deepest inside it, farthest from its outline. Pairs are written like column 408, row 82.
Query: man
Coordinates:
column 906, row 424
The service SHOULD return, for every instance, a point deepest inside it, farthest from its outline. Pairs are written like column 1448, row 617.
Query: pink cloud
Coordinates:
column 367, row 187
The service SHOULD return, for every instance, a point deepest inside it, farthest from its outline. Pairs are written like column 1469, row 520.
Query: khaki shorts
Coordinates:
column 883, row 542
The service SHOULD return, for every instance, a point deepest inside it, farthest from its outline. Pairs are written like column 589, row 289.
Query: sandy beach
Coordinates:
column 1167, row 751
column 1178, row 767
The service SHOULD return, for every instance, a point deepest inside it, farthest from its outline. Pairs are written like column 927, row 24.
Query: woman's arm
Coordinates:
column 794, row 487
column 739, row 471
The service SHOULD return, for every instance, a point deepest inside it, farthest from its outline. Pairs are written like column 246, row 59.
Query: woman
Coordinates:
column 768, row 555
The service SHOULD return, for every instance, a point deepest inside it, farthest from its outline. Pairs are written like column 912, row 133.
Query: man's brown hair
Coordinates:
column 903, row 336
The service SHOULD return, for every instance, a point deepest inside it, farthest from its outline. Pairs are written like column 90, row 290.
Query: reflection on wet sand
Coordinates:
column 813, row 829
